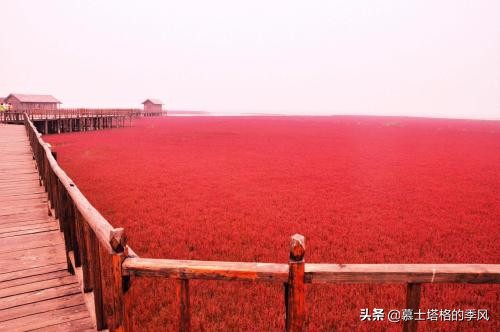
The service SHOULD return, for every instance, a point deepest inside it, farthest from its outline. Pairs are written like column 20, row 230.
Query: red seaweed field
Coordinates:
column 360, row 189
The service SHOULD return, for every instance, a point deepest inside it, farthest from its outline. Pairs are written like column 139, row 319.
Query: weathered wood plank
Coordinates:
column 191, row 269
column 11, row 193
column 30, row 231
column 35, row 209
column 316, row 273
column 18, row 265
column 32, row 254
column 32, row 279
column 30, row 241
column 402, row 273
column 35, row 271
column 22, row 222
column 15, row 173
column 20, row 179
column 37, row 296
column 46, row 319
column 80, row 325
column 16, row 166
column 8, row 198
column 39, row 285
column 25, row 215
column 39, row 307
column 22, row 187
column 23, row 204
column 26, row 226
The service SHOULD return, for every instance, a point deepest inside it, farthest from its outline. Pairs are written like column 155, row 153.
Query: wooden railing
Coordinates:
column 11, row 117
column 17, row 116
column 80, row 112
column 98, row 253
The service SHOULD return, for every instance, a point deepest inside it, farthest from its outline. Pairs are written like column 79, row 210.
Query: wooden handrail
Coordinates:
column 402, row 273
column 107, row 263
column 209, row 270
column 102, row 228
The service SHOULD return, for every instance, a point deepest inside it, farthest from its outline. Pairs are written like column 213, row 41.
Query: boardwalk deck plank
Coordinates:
column 46, row 228
column 20, row 198
column 37, row 286
column 29, row 241
column 75, row 325
column 24, row 204
column 25, row 227
column 46, row 319
column 34, row 308
column 40, row 192
column 31, row 279
column 35, row 271
column 23, row 215
column 37, row 296
column 26, row 223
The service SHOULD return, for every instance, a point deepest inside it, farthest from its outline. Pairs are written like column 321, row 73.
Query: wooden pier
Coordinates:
column 72, row 120
column 36, row 289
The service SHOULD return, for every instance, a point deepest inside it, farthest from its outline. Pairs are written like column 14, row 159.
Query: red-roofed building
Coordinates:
column 152, row 106
column 30, row 102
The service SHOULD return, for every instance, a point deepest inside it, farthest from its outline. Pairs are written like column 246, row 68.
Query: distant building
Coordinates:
column 31, row 102
column 152, row 106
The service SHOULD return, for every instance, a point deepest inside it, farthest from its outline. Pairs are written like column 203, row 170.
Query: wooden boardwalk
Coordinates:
column 36, row 290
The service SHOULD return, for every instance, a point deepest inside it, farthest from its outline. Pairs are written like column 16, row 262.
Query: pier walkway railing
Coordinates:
column 71, row 120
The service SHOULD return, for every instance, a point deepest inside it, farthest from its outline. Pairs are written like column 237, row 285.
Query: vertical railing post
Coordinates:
column 295, row 296
column 112, row 280
column 54, row 188
column 413, row 291
column 182, row 290
column 66, row 213
column 93, row 261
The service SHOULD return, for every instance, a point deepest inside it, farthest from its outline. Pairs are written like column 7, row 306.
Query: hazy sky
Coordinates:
column 428, row 58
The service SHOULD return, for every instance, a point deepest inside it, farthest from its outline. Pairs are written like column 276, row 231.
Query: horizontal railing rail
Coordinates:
column 98, row 253
column 314, row 273
column 209, row 270
column 402, row 273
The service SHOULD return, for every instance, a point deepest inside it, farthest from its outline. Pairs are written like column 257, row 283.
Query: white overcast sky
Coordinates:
column 424, row 58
